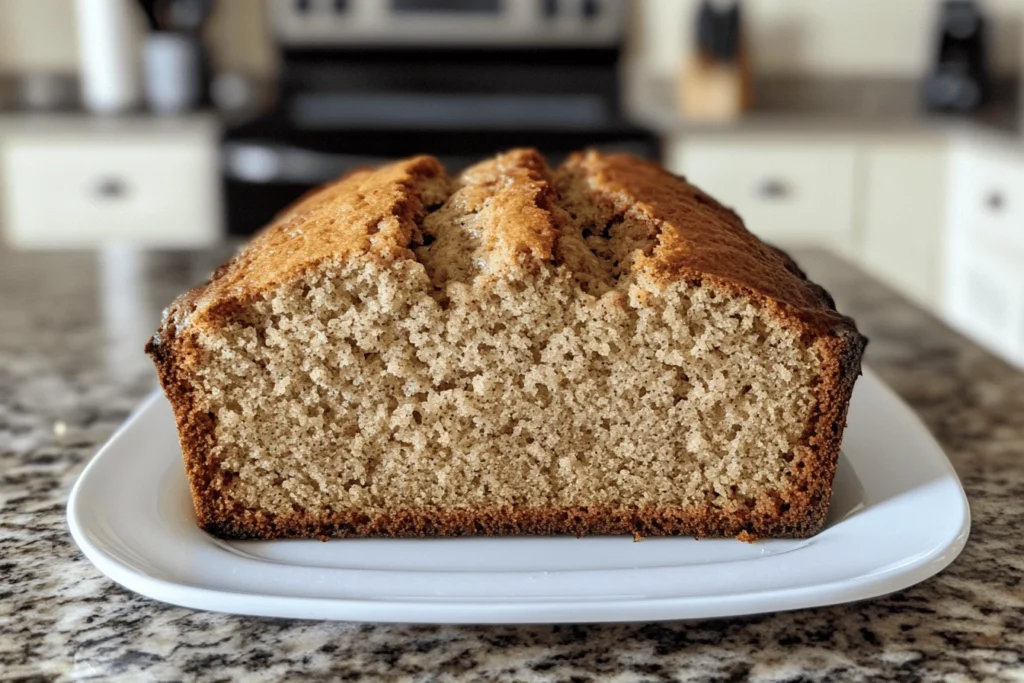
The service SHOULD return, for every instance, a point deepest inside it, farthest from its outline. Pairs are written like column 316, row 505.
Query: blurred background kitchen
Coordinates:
column 890, row 132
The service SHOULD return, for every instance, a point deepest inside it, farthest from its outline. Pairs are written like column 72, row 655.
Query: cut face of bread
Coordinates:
column 599, row 348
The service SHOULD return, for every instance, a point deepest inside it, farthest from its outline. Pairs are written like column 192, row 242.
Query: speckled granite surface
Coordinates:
column 71, row 369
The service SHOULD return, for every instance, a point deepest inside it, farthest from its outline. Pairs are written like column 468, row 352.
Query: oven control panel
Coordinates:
column 478, row 23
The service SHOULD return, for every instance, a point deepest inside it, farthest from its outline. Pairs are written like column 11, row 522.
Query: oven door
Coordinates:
column 266, row 167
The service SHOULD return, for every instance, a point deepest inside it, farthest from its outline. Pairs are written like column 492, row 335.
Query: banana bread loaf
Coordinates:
column 599, row 348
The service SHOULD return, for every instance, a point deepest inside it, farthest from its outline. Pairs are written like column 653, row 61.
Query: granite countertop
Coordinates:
column 71, row 369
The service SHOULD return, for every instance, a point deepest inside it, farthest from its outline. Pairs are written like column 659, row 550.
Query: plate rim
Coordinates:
column 486, row 610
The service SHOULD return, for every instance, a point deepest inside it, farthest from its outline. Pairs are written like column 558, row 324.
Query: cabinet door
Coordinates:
column 789, row 191
column 984, row 248
column 985, row 299
column 904, row 217
column 987, row 192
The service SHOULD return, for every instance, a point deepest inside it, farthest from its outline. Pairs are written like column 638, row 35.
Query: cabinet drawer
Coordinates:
column 988, row 194
column 155, row 191
column 791, row 192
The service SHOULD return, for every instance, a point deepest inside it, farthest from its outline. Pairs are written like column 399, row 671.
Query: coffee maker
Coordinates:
column 958, row 81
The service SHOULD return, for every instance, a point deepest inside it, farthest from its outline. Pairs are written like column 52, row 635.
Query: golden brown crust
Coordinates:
column 195, row 427
column 375, row 214
column 365, row 214
column 699, row 239
column 516, row 188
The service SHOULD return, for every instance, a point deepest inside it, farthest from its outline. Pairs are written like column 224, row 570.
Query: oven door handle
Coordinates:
column 271, row 163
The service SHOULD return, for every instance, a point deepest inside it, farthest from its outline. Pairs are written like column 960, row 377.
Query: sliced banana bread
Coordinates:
column 599, row 348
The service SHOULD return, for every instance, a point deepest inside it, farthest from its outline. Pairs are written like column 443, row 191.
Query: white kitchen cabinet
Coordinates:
column 71, row 184
column 792, row 191
column 903, row 215
column 985, row 297
column 984, row 254
column 987, row 190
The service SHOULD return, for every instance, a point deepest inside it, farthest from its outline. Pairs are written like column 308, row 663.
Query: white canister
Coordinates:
column 108, row 43
column 173, row 64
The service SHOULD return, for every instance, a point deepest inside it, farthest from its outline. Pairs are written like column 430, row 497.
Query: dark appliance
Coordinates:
column 959, row 79
column 366, row 82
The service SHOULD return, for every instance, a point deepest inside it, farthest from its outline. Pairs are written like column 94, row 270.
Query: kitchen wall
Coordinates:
column 238, row 37
column 886, row 38
column 40, row 36
column 883, row 38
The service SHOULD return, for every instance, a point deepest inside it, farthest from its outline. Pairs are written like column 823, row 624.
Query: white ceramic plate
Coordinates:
column 898, row 516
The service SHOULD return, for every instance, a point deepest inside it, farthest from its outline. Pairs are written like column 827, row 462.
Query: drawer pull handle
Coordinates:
column 995, row 201
column 110, row 188
column 773, row 188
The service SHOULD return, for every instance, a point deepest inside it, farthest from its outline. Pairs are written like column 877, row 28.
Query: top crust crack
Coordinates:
column 608, row 219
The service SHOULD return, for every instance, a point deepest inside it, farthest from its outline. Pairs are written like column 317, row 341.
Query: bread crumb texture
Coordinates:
column 596, row 348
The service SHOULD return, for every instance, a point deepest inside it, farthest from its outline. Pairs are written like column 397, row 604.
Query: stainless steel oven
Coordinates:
column 363, row 82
